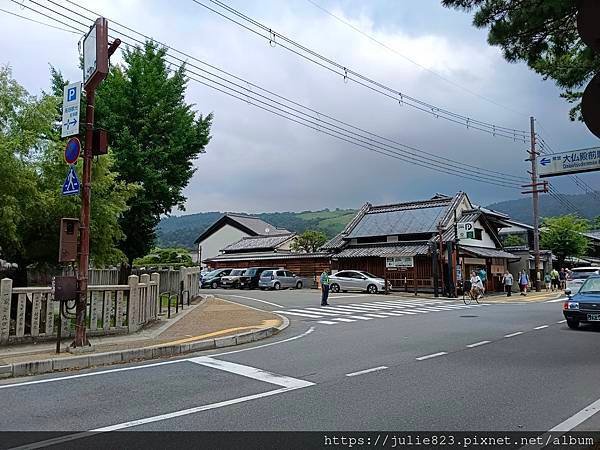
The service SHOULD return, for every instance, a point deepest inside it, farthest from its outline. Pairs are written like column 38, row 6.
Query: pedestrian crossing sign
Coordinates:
column 71, row 184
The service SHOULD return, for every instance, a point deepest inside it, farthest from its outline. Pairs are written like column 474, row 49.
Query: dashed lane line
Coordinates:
column 477, row 344
column 433, row 355
column 541, row 327
column 362, row 372
column 513, row 334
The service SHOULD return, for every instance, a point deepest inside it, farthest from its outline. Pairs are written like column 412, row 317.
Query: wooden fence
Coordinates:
column 31, row 313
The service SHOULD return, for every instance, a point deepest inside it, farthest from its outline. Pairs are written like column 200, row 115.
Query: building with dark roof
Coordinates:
column 408, row 243
column 230, row 229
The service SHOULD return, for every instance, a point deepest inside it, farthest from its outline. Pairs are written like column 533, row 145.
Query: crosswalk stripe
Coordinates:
column 391, row 314
column 319, row 311
column 354, row 308
column 379, row 316
column 337, row 309
column 360, row 317
column 312, row 316
column 373, row 306
column 410, row 313
column 327, row 322
column 343, row 319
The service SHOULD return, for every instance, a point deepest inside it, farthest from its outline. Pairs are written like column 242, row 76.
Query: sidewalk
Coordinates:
column 209, row 324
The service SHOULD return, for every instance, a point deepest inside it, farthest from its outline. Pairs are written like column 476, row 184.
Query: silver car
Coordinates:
column 578, row 276
column 356, row 280
column 278, row 279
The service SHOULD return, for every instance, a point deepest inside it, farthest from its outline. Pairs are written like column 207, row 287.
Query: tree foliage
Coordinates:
column 541, row 33
column 165, row 256
column 514, row 240
column 309, row 241
column 33, row 170
column 155, row 137
column 563, row 235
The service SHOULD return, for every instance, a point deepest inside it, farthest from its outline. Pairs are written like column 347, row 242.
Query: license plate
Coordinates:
column 593, row 317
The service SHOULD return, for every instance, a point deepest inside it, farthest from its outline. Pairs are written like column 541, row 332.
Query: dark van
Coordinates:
column 250, row 278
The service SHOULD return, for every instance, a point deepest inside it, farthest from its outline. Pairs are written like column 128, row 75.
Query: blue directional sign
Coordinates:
column 545, row 161
column 70, row 116
column 71, row 184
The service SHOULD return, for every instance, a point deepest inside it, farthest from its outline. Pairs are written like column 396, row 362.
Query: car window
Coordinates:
column 210, row 274
column 266, row 273
column 237, row 272
column 288, row 273
column 280, row 273
column 591, row 285
column 224, row 273
column 582, row 275
column 251, row 272
column 368, row 275
column 356, row 275
column 342, row 274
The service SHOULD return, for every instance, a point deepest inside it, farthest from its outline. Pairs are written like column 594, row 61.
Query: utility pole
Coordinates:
column 96, row 53
column 536, row 188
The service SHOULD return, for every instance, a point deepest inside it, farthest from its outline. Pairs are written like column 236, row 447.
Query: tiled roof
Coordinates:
column 487, row 252
column 334, row 243
column 259, row 242
column 419, row 248
column 469, row 216
column 257, row 225
column 265, row 256
column 594, row 234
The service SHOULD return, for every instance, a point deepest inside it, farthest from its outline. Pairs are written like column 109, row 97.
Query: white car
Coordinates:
column 356, row 280
column 578, row 275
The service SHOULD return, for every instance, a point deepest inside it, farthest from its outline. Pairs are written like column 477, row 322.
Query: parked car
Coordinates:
column 213, row 279
column 584, row 305
column 233, row 279
column 250, row 278
column 356, row 280
column 578, row 275
column 278, row 279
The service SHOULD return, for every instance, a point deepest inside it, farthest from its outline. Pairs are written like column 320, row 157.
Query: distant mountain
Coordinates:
column 182, row 231
column 521, row 210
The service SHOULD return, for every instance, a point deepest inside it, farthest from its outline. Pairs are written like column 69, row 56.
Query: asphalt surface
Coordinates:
column 505, row 367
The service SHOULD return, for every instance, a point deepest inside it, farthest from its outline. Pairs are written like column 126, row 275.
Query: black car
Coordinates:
column 250, row 278
column 584, row 306
column 213, row 279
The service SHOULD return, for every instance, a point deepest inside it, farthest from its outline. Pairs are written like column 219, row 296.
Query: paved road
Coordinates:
column 491, row 367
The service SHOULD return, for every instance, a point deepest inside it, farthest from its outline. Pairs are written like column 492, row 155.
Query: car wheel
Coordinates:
column 573, row 324
column 335, row 288
column 214, row 285
column 372, row 289
column 299, row 285
column 277, row 286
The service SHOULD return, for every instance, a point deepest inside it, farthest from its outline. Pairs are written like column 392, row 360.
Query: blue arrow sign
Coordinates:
column 545, row 161
column 71, row 184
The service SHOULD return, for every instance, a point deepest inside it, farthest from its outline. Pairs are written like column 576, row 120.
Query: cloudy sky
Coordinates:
column 260, row 162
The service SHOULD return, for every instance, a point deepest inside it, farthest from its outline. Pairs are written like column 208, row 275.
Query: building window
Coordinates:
column 478, row 234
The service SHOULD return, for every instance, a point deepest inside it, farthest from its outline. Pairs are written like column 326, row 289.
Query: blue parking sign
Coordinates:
column 72, row 94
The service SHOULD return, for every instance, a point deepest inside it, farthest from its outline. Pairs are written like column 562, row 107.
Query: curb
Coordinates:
column 135, row 354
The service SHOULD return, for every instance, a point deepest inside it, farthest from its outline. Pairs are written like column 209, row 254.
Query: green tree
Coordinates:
column 32, row 170
column 308, row 242
column 595, row 225
column 541, row 33
column 172, row 255
column 155, row 137
column 514, row 240
column 563, row 235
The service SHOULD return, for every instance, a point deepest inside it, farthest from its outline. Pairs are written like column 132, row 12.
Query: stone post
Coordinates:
column 132, row 307
column 5, row 298
column 155, row 278
column 144, row 298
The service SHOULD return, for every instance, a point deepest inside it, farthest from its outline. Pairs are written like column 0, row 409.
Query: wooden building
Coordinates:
column 407, row 243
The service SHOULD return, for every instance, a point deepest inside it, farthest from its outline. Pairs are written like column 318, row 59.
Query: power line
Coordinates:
column 36, row 21
column 410, row 60
column 349, row 74
column 315, row 123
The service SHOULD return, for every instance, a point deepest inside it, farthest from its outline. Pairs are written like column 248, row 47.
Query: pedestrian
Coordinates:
column 324, row 288
column 555, row 276
column 476, row 286
column 483, row 276
column 562, row 276
column 523, row 282
column 548, row 282
column 507, row 281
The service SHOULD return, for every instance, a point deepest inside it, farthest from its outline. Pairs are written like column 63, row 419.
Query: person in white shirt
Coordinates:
column 476, row 285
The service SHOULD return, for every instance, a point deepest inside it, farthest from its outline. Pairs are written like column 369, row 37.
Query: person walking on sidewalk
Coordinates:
column 555, row 276
column 562, row 276
column 548, row 282
column 324, row 288
column 507, row 281
column 483, row 275
column 523, row 282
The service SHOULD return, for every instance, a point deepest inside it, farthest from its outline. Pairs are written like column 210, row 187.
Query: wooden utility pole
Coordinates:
column 536, row 188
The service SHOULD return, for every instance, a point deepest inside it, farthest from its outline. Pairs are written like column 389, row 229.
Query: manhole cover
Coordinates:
column 469, row 316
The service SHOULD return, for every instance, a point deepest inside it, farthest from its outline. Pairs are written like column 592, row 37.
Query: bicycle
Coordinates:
column 474, row 294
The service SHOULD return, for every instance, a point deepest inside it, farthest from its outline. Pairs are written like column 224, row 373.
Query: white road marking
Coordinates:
column 324, row 311
column 251, row 372
column 541, row 327
column 513, row 334
column 313, row 316
column 477, row 344
column 360, row 372
column 327, row 322
column 562, row 321
column 556, row 300
column 378, row 316
column 256, row 300
column 372, row 307
column 343, row 319
column 338, row 310
column 410, row 313
column 145, row 366
column 424, row 311
column 349, row 296
column 433, row 355
column 353, row 308
column 391, row 314
column 360, row 317
column 578, row 418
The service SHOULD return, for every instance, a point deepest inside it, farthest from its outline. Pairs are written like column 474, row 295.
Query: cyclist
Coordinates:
column 476, row 286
